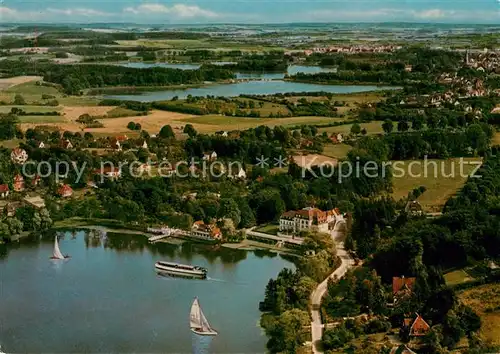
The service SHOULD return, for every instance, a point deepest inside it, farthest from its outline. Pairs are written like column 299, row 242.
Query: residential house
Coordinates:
column 145, row 145
column 65, row 191
column 408, row 68
column 66, row 144
column 402, row 286
column 115, row 144
column 402, row 349
column 206, row 232
column 414, row 208
column 41, row 145
column 210, row 156
column 36, row 202
column 241, row 174
column 109, row 172
column 143, row 168
column 417, row 327
column 19, row 156
column 35, row 181
column 18, row 183
column 4, row 190
column 308, row 219
column 11, row 208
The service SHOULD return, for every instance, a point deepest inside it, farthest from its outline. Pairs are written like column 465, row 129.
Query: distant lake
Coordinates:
column 247, row 88
column 292, row 69
column 108, row 298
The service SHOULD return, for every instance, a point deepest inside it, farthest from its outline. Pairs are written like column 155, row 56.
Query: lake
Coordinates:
column 292, row 70
column 108, row 298
column 247, row 88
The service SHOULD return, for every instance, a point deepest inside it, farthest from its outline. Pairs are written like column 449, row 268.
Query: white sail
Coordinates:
column 194, row 317
column 198, row 322
column 57, row 252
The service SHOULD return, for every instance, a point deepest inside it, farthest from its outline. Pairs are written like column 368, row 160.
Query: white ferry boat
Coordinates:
column 181, row 269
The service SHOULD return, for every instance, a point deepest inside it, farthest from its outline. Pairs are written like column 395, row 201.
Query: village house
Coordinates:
column 66, row 144
column 143, row 168
column 19, row 156
column 402, row 286
column 4, row 190
column 41, row 145
column 337, row 138
column 210, row 156
column 402, row 349
column 11, row 208
column 115, row 144
column 414, row 208
column 35, row 181
column 417, row 327
column 18, row 183
column 308, row 219
column 65, row 191
column 206, row 232
column 36, row 201
column 145, row 145
column 110, row 172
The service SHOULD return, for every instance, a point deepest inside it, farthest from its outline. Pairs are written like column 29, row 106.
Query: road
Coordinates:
column 346, row 263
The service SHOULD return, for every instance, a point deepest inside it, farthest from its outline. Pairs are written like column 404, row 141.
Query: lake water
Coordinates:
column 292, row 70
column 108, row 298
column 247, row 88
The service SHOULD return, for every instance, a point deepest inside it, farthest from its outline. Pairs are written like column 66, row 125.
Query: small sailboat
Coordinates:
column 198, row 322
column 56, row 254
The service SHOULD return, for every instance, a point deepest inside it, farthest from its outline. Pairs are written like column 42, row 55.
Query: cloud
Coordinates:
column 78, row 12
column 179, row 10
column 432, row 14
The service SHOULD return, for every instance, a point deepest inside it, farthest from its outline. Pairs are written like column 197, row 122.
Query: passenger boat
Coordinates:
column 181, row 269
column 198, row 322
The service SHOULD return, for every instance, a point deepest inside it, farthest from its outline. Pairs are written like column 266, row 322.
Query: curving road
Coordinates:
column 346, row 263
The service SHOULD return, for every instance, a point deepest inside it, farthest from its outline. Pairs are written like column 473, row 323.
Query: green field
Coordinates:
column 457, row 277
column 338, row 151
column 270, row 229
column 485, row 301
column 41, row 119
column 372, row 128
column 439, row 188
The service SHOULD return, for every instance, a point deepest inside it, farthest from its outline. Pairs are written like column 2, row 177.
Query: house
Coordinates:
column 402, row 286
column 18, row 183
column 408, row 68
column 145, row 145
column 143, row 168
column 19, row 156
column 402, row 349
column 41, row 145
column 115, row 144
column 496, row 110
column 11, row 208
column 35, row 181
column 210, row 156
column 308, row 219
column 206, row 232
column 66, row 144
column 122, row 138
column 417, row 327
column 65, row 191
column 109, row 172
column 241, row 174
column 414, row 208
column 36, row 202
column 4, row 190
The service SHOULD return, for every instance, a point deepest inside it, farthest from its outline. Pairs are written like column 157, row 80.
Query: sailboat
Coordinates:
column 56, row 254
column 198, row 322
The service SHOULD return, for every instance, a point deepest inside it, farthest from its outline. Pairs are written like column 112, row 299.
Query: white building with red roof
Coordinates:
column 308, row 219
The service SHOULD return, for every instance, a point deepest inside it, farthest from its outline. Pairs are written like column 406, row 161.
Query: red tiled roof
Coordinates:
column 4, row 188
column 65, row 189
column 402, row 283
column 419, row 327
column 18, row 178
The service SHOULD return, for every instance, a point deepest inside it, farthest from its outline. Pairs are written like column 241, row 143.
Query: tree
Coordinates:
column 229, row 210
column 388, row 126
column 167, row 132
column 19, row 100
column 8, row 126
column 356, row 129
column 190, row 131
column 131, row 126
column 403, row 126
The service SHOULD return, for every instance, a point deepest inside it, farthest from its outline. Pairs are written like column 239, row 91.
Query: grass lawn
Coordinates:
column 496, row 139
column 439, row 187
column 41, row 119
column 338, row 151
column 31, row 88
column 270, row 229
column 485, row 301
column 119, row 112
column 213, row 123
column 372, row 128
column 11, row 144
column 457, row 277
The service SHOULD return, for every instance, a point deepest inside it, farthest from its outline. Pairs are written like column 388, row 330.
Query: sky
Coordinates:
column 250, row 11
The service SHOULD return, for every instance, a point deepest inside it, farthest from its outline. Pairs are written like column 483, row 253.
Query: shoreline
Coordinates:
column 245, row 245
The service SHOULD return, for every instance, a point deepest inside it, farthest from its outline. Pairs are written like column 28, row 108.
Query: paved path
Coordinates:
column 346, row 263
